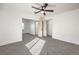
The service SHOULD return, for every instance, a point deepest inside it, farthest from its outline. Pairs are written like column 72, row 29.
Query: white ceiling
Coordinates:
column 60, row 7
column 63, row 7
column 27, row 7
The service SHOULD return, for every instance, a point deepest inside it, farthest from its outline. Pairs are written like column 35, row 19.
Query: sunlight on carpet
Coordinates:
column 35, row 46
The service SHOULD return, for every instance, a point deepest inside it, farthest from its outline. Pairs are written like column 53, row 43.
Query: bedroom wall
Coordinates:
column 10, row 27
column 49, row 27
column 11, row 22
column 66, row 26
column 29, row 26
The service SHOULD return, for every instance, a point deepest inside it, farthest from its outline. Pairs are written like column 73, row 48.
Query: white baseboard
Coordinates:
column 9, row 42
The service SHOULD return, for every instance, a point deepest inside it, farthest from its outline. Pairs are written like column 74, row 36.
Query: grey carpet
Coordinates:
column 51, row 47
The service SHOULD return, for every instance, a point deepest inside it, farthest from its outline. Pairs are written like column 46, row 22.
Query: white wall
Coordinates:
column 49, row 27
column 11, row 21
column 26, row 26
column 10, row 27
column 32, row 28
column 29, row 26
column 66, row 26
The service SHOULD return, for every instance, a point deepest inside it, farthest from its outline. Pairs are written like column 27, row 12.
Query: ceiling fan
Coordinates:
column 42, row 9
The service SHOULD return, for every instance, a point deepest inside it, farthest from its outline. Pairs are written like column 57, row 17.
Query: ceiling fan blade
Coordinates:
column 37, row 12
column 49, row 10
column 36, row 8
column 45, row 5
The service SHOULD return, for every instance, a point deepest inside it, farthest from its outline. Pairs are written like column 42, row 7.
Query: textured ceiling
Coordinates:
column 63, row 7
column 27, row 7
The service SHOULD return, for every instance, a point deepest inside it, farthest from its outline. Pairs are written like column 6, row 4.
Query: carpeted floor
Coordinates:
column 51, row 47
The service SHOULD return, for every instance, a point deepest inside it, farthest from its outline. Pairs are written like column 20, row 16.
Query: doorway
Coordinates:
column 49, row 27
column 28, row 26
